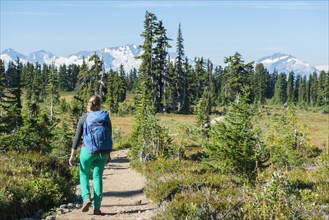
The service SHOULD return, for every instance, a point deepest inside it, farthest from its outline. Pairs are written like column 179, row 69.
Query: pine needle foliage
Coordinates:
column 234, row 145
column 149, row 139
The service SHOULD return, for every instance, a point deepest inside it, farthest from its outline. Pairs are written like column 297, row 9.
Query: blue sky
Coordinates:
column 211, row 29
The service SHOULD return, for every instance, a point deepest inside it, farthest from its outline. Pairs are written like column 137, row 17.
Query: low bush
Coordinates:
column 31, row 182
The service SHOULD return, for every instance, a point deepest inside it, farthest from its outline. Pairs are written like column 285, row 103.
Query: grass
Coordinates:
column 318, row 127
column 316, row 122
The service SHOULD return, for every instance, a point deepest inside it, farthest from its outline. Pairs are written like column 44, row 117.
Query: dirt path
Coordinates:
column 123, row 196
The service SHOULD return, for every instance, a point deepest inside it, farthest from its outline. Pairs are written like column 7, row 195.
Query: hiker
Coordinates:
column 91, row 155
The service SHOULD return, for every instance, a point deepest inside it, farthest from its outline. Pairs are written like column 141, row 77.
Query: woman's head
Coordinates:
column 94, row 104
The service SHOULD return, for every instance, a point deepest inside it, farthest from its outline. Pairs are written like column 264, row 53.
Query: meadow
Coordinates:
column 184, row 188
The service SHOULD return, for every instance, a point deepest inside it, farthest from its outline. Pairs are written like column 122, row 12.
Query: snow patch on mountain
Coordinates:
column 286, row 63
column 112, row 57
column 126, row 55
column 322, row 68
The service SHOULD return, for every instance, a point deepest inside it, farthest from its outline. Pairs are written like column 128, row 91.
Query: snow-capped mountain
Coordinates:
column 113, row 57
column 11, row 55
column 41, row 57
column 286, row 63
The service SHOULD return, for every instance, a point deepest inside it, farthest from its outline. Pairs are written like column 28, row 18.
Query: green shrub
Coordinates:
column 234, row 145
column 31, row 181
column 288, row 142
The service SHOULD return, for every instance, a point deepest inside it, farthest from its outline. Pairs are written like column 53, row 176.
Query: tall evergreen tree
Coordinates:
column 290, row 88
column 280, row 94
column 200, row 77
column 3, row 84
column 273, row 77
column 260, row 83
column 73, row 72
column 12, row 103
column 36, row 86
column 84, row 86
column 313, row 89
column 159, row 68
column 302, row 92
column 170, row 88
column 97, row 73
column 113, row 95
column 44, row 80
column 296, row 88
column 182, row 83
column 219, row 83
column 63, row 79
column 27, row 78
column 132, row 80
column 186, row 106
column 122, row 85
column 52, row 90
column 237, row 77
column 323, row 88
column 146, row 67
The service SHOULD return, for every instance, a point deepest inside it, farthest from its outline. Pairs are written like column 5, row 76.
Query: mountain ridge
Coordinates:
column 113, row 57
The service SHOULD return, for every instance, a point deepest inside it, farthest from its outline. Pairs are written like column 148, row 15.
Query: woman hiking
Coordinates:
column 96, row 129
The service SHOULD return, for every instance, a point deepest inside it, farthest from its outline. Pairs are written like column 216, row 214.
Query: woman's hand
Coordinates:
column 71, row 160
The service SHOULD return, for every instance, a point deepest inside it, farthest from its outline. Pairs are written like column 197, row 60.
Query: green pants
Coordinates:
column 97, row 161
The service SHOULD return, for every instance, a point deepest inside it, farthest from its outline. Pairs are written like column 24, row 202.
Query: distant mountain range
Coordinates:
column 113, row 57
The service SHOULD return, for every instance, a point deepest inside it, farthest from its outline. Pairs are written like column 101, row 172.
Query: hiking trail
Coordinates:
column 123, row 196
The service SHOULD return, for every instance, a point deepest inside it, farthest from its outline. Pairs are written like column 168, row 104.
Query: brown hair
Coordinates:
column 94, row 104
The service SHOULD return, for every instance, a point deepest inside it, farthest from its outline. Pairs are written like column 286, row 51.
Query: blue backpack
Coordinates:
column 97, row 134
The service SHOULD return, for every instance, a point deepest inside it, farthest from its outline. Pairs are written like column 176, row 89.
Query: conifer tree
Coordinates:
column 323, row 89
column 296, row 88
column 159, row 68
column 132, row 80
column 122, row 85
column 182, row 81
column 12, row 103
column 203, row 113
column 149, row 140
column 313, row 89
column 302, row 92
column 200, row 77
column 97, row 73
column 52, row 90
column 186, row 106
column 234, row 145
column 84, row 90
column 44, row 80
column 63, row 79
column 153, row 66
column 3, row 84
column 36, row 86
column 27, row 78
column 147, row 57
column 260, row 83
column 270, row 88
column 290, row 88
column 237, row 77
column 170, row 88
column 73, row 72
column 280, row 93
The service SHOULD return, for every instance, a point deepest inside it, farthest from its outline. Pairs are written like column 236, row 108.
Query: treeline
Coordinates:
column 37, row 125
column 173, row 85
